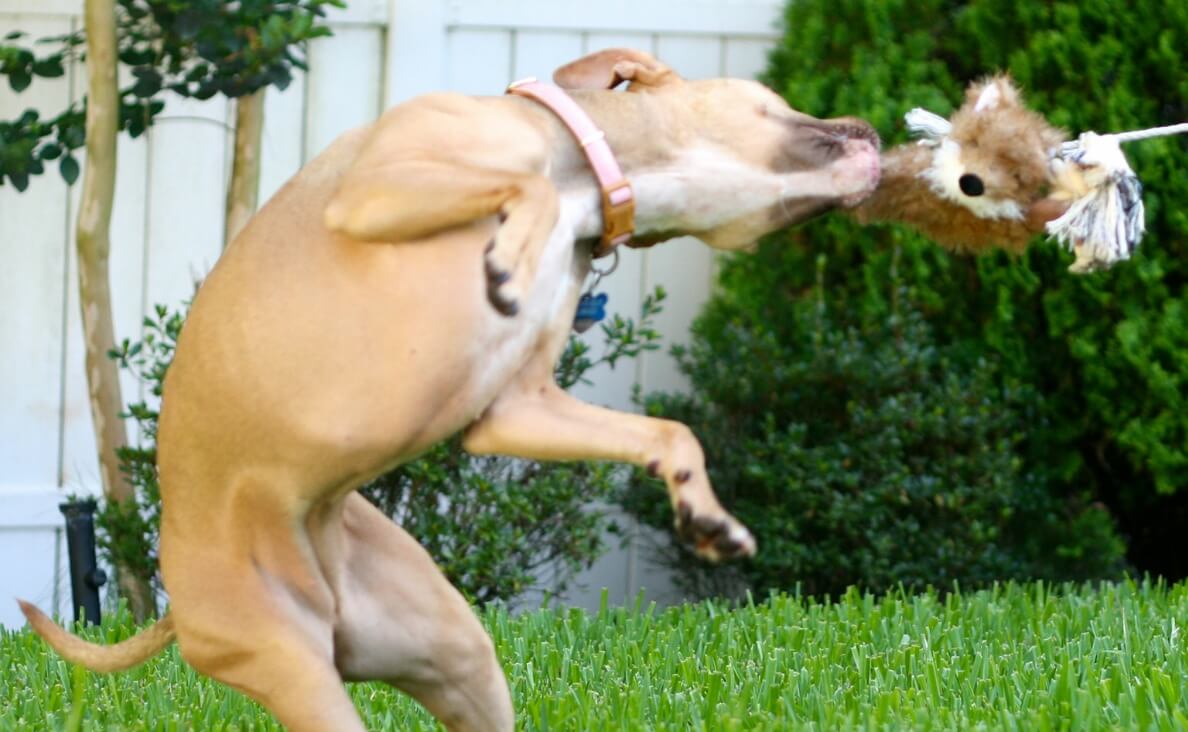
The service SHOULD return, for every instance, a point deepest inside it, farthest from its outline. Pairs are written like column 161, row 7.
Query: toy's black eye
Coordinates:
column 971, row 185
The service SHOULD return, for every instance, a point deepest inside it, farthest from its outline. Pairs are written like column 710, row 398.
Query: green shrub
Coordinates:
column 1108, row 352
column 497, row 527
column 860, row 451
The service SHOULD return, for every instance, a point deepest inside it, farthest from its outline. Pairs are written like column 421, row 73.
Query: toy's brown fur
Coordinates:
column 1007, row 146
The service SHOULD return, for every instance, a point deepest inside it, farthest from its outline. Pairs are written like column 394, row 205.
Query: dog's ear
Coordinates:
column 611, row 67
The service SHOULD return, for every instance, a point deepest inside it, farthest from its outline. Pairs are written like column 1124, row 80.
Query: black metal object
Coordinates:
column 85, row 575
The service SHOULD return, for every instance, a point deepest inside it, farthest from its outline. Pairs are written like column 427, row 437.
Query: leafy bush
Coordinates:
column 1109, row 352
column 497, row 527
column 860, row 451
column 196, row 48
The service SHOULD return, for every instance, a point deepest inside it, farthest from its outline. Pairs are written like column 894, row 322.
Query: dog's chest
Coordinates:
column 546, row 316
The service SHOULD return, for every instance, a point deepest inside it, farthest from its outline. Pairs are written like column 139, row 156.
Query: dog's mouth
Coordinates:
column 857, row 167
column 869, row 169
column 847, row 147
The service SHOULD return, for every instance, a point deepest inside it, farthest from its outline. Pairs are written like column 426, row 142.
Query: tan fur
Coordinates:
column 105, row 659
column 1007, row 146
column 346, row 330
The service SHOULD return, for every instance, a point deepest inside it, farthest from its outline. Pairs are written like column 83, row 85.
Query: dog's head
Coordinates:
column 759, row 164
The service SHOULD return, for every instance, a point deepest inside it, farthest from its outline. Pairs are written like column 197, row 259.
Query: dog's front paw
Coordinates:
column 502, row 291
column 715, row 536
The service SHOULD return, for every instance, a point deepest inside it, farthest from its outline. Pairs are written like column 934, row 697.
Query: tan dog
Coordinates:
column 313, row 361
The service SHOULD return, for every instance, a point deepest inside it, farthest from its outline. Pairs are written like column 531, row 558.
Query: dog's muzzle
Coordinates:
column 853, row 146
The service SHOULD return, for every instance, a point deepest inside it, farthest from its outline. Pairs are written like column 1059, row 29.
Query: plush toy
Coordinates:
column 996, row 174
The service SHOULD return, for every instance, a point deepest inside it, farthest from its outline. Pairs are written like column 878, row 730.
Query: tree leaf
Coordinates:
column 50, row 68
column 148, row 82
column 70, row 169
column 50, row 151
column 279, row 76
column 206, row 90
column 20, row 180
column 134, row 56
column 273, row 34
column 188, row 24
column 198, row 73
column 73, row 133
column 19, row 81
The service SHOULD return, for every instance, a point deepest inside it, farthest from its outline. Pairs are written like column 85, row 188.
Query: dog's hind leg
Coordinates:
column 401, row 622
column 253, row 611
column 407, row 200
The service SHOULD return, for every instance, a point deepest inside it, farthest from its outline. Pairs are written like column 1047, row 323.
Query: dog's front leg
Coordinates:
column 545, row 423
column 406, row 200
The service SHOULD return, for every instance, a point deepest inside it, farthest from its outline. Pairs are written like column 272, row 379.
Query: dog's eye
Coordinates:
column 971, row 185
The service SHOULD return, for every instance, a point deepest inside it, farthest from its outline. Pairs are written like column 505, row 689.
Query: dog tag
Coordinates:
column 590, row 310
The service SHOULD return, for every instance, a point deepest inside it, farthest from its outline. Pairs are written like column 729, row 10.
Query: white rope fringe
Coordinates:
column 1105, row 225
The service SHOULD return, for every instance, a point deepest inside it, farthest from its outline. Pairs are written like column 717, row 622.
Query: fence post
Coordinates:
column 85, row 575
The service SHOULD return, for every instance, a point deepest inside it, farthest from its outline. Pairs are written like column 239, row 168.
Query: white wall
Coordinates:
column 167, row 230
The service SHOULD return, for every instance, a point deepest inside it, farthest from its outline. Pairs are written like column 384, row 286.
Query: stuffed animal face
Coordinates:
column 994, row 160
column 981, row 180
column 996, row 174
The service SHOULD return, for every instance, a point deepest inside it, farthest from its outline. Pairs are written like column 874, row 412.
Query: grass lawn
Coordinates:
column 1028, row 657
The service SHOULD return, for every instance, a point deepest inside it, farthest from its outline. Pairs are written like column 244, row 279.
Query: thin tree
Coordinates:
column 94, row 283
column 243, row 191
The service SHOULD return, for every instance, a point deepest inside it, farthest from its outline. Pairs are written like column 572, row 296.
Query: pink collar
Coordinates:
column 618, row 200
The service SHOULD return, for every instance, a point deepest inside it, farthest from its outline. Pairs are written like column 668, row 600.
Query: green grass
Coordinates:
column 1029, row 657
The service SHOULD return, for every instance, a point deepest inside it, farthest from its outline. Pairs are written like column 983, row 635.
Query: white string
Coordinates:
column 1182, row 128
column 1152, row 132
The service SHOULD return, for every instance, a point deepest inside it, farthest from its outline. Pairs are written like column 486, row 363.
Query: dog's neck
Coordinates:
column 678, row 179
column 638, row 133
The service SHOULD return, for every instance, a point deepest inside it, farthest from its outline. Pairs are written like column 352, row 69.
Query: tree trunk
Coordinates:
column 243, row 192
column 94, row 223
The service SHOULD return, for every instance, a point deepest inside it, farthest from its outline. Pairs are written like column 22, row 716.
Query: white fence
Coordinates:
column 168, row 224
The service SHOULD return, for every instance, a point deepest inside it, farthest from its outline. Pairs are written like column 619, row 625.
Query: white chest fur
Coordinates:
column 548, row 307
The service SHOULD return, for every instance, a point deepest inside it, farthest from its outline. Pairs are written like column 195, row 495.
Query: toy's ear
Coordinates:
column 993, row 93
column 608, row 68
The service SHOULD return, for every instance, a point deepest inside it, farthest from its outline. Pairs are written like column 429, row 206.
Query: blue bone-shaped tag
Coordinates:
column 590, row 310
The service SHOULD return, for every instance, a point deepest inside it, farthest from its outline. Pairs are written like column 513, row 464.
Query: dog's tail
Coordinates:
column 104, row 659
